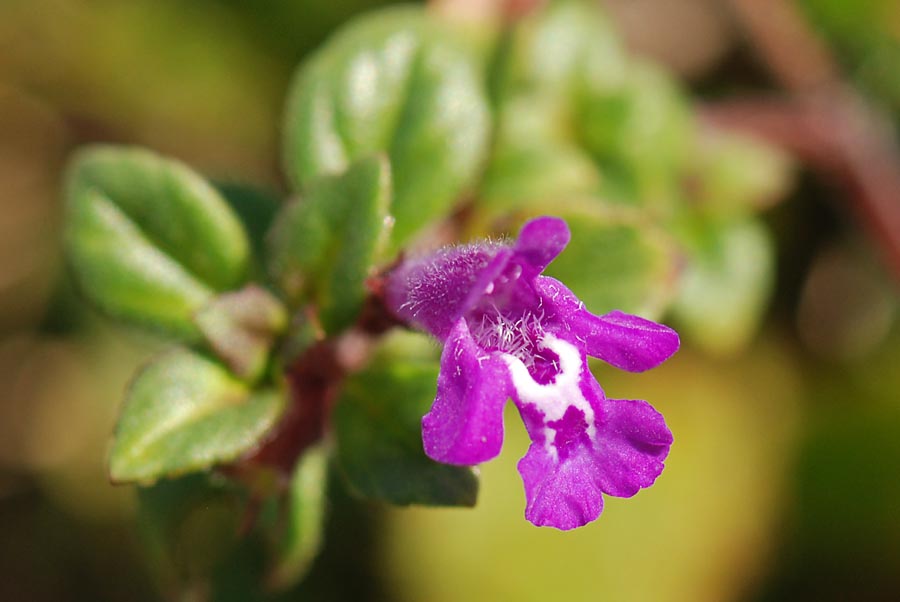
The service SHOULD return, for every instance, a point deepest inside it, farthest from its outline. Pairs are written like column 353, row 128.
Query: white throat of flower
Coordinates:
column 554, row 398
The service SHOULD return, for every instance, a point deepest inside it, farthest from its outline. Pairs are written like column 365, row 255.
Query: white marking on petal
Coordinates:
column 554, row 398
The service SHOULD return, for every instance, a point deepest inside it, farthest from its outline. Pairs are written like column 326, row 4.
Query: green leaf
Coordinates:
column 642, row 132
column 184, row 413
column 149, row 240
column 732, row 174
column 378, row 428
column 556, row 56
column 533, row 162
column 537, row 174
column 323, row 245
column 568, row 48
column 617, row 260
column 189, row 526
column 256, row 208
column 726, row 284
column 579, row 119
column 241, row 328
column 302, row 535
column 394, row 82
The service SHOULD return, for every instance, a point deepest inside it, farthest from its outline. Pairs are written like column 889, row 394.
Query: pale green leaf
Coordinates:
column 183, row 413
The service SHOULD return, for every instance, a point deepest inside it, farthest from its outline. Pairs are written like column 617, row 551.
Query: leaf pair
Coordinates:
column 153, row 244
column 150, row 241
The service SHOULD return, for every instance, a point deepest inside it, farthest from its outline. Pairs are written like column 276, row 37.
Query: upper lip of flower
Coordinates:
column 511, row 332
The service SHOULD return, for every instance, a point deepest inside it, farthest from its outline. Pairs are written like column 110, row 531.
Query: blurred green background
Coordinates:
column 783, row 483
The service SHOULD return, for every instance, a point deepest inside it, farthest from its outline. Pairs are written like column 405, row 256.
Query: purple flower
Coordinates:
column 509, row 332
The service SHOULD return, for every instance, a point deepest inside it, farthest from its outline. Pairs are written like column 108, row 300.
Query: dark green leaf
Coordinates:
column 255, row 207
column 189, row 526
column 183, row 413
column 377, row 423
column 149, row 240
column 241, row 328
column 324, row 244
column 302, row 535
column 394, row 82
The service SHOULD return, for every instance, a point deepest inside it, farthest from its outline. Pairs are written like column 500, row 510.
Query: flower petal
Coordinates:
column 434, row 291
column 539, row 242
column 628, row 342
column 627, row 455
column 563, row 494
column 560, row 470
column 484, row 285
column 633, row 440
column 465, row 424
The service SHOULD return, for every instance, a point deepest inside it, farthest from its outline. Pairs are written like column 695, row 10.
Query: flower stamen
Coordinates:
column 517, row 337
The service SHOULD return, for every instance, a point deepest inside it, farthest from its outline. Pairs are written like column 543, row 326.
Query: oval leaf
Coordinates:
column 302, row 535
column 183, row 413
column 392, row 82
column 149, row 240
column 627, row 118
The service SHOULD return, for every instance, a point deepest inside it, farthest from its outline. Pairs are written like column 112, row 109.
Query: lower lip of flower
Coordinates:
column 553, row 398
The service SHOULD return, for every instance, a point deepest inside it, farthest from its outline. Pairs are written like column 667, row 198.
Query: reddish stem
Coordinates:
column 840, row 140
column 314, row 380
column 824, row 122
